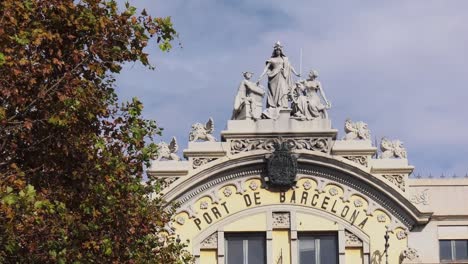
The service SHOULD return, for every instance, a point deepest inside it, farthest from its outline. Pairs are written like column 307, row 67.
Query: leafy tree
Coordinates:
column 72, row 184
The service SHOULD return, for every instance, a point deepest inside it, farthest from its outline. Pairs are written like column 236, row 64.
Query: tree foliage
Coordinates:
column 72, row 185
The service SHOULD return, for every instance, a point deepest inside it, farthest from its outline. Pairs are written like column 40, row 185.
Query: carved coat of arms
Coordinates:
column 281, row 167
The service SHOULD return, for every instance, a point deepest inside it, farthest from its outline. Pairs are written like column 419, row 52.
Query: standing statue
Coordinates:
column 202, row 132
column 392, row 149
column 307, row 103
column 168, row 151
column 249, row 98
column 280, row 82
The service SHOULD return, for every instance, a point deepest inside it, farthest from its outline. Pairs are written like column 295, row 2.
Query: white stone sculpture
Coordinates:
column 168, row 151
column 392, row 149
column 202, row 132
column 307, row 99
column 280, row 82
column 249, row 99
column 356, row 130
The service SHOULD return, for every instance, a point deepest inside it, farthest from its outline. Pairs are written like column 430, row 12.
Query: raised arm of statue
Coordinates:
column 294, row 71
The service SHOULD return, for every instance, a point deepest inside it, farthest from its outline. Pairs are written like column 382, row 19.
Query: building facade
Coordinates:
column 282, row 187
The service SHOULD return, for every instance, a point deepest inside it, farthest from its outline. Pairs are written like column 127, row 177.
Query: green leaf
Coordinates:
column 2, row 60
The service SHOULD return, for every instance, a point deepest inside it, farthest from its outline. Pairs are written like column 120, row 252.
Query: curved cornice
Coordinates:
column 309, row 163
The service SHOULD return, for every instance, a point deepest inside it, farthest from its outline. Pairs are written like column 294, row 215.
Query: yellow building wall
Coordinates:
column 208, row 256
column 281, row 247
column 354, row 256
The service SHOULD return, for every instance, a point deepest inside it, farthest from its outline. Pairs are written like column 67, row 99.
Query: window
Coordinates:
column 245, row 248
column 453, row 250
column 318, row 249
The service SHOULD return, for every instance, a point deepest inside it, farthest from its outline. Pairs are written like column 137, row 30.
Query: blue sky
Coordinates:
column 400, row 66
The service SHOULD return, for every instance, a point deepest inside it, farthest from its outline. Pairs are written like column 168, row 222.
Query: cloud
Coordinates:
column 401, row 66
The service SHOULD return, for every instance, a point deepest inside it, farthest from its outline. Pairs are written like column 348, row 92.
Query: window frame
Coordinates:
column 316, row 236
column 245, row 250
column 453, row 250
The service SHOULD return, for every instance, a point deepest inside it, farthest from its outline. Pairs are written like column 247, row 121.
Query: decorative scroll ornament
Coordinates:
column 362, row 160
column 392, row 149
column 281, row 167
column 202, row 132
column 168, row 151
column 211, row 242
column 420, row 198
column 281, row 220
column 397, row 179
column 321, row 144
column 352, row 240
column 355, row 131
column 197, row 162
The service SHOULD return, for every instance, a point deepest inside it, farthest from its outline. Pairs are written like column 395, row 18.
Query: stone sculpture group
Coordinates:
column 305, row 98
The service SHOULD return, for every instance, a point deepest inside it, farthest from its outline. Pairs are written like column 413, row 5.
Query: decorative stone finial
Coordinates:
column 202, row 132
column 356, row 130
column 168, row 151
column 392, row 149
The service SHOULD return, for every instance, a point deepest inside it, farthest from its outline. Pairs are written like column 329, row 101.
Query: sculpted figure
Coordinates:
column 307, row 99
column 202, row 132
column 168, row 152
column 248, row 102
column 357, row 130
column 280, row 81
column 392, row 149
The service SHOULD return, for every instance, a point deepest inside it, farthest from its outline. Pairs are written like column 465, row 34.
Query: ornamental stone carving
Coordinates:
column 227, row 191
column 358, row 203
column 396, row 179
column 381, row 218
column 204, row 205
column 202, row 132
column 197, row 162
column 211, row 242
column 361, row 160
column 409, row 255
column 401, row 234
column 168, row 151
column 352, row 240
column 281, row 220
column 420, row 197
column 307, row 185
column 321, row 144
column 392, row 149
column 253, row 185
column 167, row 181
column 333, row 191
column 180, row 220
column 356, row 130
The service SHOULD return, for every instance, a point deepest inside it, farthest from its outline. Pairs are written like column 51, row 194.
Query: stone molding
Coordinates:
column 361, row 160
column 396, row 179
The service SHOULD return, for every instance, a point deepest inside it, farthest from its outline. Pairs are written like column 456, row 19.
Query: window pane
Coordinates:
column 445, row 250
column 461, row 249
column 243, row 248
column 307, row 250
column 318, row 249
column 256, row 249
column 234, row 250
column 328, row 249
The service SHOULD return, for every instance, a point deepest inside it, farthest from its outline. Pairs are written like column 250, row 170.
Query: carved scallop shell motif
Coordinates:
column 253, row 185
column 307, row 185
column 401, row 234
column 180, row 220
column 333, row 191
column 358, row 203
column 381, row 218
column 227, row 192
column 204, row 205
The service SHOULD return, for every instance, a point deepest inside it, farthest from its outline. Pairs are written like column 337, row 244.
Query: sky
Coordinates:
column 400, row 66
